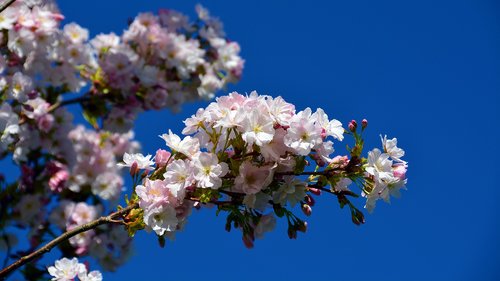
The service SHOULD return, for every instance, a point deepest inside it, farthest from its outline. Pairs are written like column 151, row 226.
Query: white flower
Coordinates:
column 210, row 83
column 148, row 75
column 208, row 171
column 194, row 122
column 9, row 125
column 385, row 184
column 38, row 108
column 281, row 111
column 258, row 201
column 20, row 86
column 178, row 176
column 273, row 150
column 29, row 208
column 228, row 56
column 83, row 213
column 104, row 41
column 160, row 217
column 251, row 179
column 75, row 33
column 188, row 146
column 379, row 162
column 8, row 17
column 391, row 148
column 143, row 162
column 107, row 185
column 332, row 128
column 257, row 128
column 342, row 184
column 66, row 269
column 303, row 135
column 292, row 190
column 91, row 276
column 324, row 150
column 266, row 223
column 154, row 191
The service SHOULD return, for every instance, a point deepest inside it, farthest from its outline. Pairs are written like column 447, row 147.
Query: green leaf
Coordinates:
column 300, row 164
column 90, row 117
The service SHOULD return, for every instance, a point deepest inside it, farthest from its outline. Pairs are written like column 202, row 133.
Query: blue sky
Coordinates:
column 426, row 72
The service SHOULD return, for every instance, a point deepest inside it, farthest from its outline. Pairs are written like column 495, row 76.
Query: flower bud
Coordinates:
column 197, row 205
column 399, row 172
column 292, row 233
column 161, row 157
column 364, row 123
column 32, row 95
column 57, row 181
column 353, row 125
column 309, row 200
column 315, row 191
column 248, row 241
column 302, row 227
column 306, row 209
column 134, row 169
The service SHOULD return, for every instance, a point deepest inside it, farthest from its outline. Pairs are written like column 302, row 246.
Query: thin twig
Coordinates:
column 63, row 237
column 6, row 5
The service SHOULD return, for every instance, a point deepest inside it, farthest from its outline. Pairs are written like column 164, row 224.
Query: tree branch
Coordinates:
column 6, row 5
column 77, row 230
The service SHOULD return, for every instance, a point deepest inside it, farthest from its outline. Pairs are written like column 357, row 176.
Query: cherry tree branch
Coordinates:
column 63, row 237
column 6, row 4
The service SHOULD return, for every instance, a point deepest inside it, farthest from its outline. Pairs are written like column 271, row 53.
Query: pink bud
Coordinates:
column 33, row 95
column 81, row 250
column 364, row 123
column 229, row 153
column 399, row 172
column 134, row 169
column 315, row 191
column 162, row 157
column 353, row 125
column 57, row 181
column 309, row 200
column 323, row 134
column 197, row 205
column 248, row 241
column 191, row 188
column 306, row 209
column 302, row 227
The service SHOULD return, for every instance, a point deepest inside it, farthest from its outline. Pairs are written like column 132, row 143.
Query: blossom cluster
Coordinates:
column 69, row 173
column 162, row 61
column 68, row 269
column 386, row 172
column 253, row 151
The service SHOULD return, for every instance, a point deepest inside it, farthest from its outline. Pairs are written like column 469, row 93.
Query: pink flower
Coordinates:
column 399, row 171
column 161, row 157
column 251, row 178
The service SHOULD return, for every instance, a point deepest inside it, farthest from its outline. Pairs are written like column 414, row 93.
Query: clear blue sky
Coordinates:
column 427, row 72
